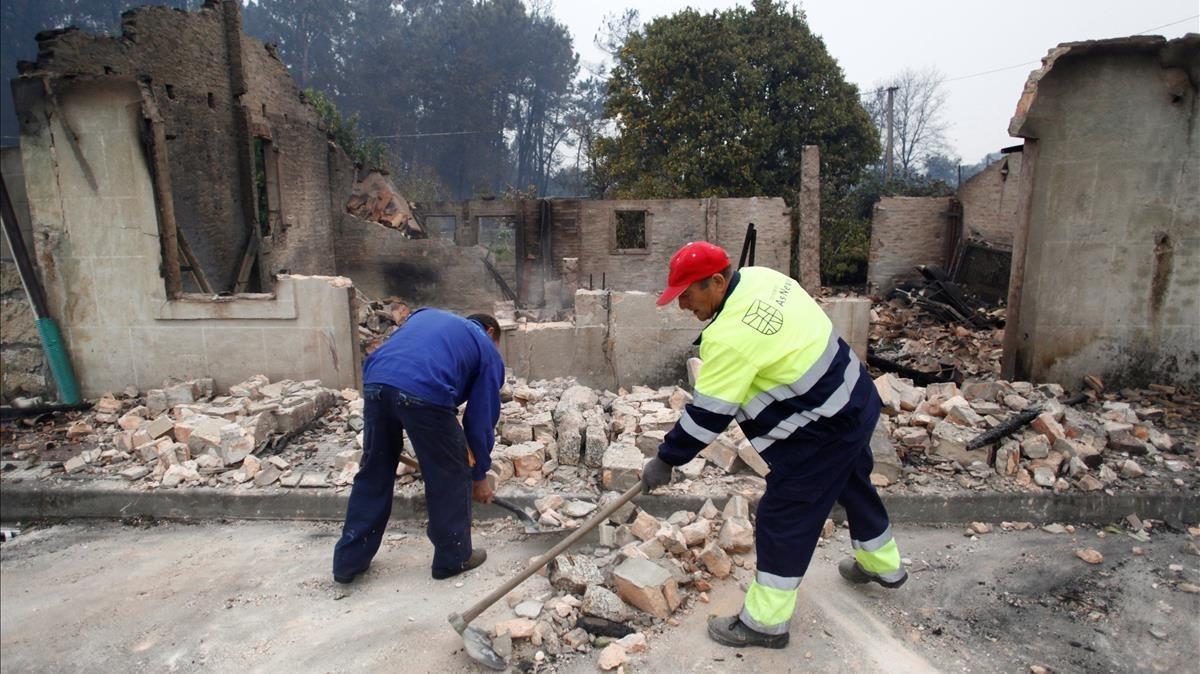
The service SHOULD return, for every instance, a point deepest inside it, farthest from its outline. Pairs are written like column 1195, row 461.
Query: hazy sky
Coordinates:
column 872, row 40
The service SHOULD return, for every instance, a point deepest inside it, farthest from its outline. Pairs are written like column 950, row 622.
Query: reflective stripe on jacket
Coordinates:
column 772, row 360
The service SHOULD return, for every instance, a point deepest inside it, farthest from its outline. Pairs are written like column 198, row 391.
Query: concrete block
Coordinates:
column 647, row 586
column 621, row 467
column 595, row 445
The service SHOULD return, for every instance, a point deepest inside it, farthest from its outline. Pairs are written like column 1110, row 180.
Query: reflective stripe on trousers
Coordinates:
column 879, row 556
column 770, row 602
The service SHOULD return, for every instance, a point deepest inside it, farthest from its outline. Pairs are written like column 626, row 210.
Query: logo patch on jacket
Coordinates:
column 764, row 318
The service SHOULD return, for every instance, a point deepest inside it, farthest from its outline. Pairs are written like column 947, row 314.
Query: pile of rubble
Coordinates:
column 643, row 573
column 559, row 436
column 378, row 319
column 563, row 430
column 909, row 337
column 942, row 427
column 183, row 434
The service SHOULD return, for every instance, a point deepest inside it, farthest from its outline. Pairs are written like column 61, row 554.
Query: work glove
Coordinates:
column 655, row 474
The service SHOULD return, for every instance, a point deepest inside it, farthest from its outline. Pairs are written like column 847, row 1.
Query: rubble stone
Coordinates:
column 1008, row 459
column 574, row 573
column 612, row 656
column 527, row 458
column 622, row 466
column 716, row 560
column 600, row 602
column 736, row 536
column 950, row 441
column 645, row 526
column 723, row 453
column 709, row 511
column 1130, row 469
column 737, row 506
column 697, row 532
column 1035, row 447
column 517, row 628
column 1047, row 425
column 647, row 586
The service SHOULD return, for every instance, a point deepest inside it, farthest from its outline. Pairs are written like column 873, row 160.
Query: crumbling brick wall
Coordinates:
column 989, row 201
column 906, row 232
column 217, row 89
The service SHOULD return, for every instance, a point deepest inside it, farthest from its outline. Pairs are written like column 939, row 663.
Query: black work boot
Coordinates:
column 478, row 556
column 731, row 631
column 852, row 571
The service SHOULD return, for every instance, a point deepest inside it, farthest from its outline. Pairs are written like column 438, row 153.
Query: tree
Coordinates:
column 308, row 33
column 918, row 128
column 722, row 104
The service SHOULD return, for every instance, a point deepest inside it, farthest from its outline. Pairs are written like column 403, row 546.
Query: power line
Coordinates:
column 1029, row 63
column 426, row 135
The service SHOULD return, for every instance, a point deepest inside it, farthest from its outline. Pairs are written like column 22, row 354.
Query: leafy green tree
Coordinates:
column 722, row 104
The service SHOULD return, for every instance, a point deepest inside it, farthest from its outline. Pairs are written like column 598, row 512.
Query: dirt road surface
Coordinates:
column 257, row 596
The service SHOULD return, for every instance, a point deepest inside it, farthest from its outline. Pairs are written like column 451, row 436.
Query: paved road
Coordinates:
column 256, row 596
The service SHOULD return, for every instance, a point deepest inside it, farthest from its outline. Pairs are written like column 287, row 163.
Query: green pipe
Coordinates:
column 60, row 364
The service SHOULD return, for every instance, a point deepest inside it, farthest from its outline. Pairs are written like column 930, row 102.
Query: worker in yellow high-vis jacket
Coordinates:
column 773, row 361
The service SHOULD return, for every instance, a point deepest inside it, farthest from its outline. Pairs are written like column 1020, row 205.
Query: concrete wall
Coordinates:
column 23, row 368
column 1106, row 265
column 100, row 256
column 620, row 338
column 989, row 201
column 906, row 232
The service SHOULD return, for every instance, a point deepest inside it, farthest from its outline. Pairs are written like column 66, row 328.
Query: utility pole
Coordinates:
column 891, row 97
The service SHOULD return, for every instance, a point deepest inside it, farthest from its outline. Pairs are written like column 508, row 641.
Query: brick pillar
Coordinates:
column 808, row 201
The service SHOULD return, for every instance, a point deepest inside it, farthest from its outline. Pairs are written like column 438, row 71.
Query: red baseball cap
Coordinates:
column 695, row 261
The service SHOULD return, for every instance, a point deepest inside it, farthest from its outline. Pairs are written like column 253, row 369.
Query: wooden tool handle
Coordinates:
column 483, row 604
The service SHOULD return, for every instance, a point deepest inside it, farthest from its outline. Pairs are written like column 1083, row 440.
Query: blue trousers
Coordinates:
column 441, row 448
column 799, row 498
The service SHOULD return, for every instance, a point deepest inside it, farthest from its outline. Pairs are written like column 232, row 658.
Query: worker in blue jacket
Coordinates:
column 413, row 383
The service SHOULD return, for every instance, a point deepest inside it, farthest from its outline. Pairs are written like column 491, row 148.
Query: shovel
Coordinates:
column 477, row 643
column 523, row 516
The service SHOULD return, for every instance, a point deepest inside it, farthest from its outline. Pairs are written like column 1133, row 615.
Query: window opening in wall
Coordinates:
column 212, row 105
column 441, row 227
column 266, row 186
column 499, row 236
column 630, row 234
column 170, row 89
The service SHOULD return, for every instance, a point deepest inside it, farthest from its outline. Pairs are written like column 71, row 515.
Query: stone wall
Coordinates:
column 989, row 201
column 99, row 253
column 1106, row 259
column 906, row 232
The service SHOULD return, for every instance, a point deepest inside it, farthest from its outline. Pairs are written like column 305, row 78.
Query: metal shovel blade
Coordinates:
column 526, row 519
column 478, row 645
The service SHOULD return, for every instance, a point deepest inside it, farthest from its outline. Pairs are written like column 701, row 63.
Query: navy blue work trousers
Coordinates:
column 441, row 448
column 799, row 498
